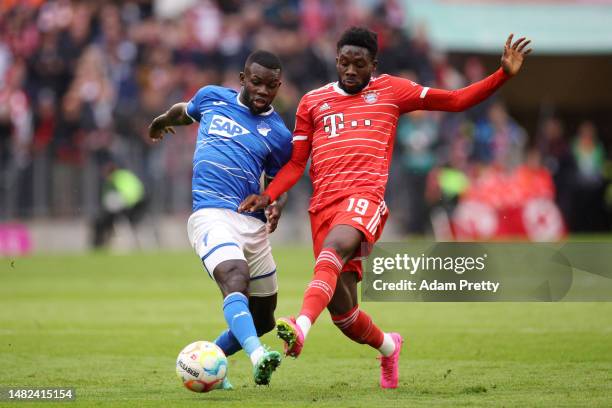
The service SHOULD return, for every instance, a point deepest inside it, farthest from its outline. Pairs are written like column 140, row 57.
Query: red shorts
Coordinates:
column 365, row 214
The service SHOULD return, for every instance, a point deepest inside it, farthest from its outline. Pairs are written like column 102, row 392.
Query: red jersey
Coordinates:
column 350, row 138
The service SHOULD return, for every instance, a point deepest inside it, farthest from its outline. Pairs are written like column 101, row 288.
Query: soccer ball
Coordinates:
column 201, row 366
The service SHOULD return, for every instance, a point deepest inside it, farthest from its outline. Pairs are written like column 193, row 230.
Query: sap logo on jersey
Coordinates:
column 222, row 126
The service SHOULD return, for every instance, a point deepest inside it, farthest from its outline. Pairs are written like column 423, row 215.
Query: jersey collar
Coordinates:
column 266, row 113
column 343, row 93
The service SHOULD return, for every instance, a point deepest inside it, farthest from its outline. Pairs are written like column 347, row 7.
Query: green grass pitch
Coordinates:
column 111, row 326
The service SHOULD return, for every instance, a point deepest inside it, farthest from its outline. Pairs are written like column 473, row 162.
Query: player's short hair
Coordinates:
column 265, row 59
column 359, row 37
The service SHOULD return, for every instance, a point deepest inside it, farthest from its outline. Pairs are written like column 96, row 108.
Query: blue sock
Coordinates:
column 240, row 321
column 228, row 343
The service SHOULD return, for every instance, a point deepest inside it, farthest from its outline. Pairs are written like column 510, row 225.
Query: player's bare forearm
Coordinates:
column 282, row 200
column 175, row 116
column 275, row 209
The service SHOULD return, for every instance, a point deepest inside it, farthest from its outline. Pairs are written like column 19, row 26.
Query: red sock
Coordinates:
column 359, row 327
column 323, row 284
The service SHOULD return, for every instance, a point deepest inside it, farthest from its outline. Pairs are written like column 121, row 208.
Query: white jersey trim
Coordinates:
column 187, row 113
column 340, row 90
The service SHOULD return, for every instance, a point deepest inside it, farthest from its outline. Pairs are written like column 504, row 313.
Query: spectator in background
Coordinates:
column 446, row 184
column 45, row 124
column 67, row 156
column 499, row 140
column 532, row 179
column 94, row 70
column 15, row 139
column 123, row 196
column 417, row 136
column 557, row 158
column 474, row 71
column 588, row 205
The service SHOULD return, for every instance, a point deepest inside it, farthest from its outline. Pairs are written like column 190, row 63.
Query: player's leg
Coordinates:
column 226, row 340
column 233, row 280
column 352, row 321
column 262, row 309
column 339, row 245
column 214, row 235
column 232, row 277
column 359, row 327
column 263, row 287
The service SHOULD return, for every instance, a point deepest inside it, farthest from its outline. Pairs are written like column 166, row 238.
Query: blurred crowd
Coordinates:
column 81, row 80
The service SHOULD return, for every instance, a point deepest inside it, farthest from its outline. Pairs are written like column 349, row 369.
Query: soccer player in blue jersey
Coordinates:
column 239, row 138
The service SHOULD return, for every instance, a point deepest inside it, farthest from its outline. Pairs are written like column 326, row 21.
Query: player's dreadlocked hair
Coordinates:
column 265, row 59
column 359, row 37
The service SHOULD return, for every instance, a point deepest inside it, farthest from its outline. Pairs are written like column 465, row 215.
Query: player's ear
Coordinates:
column 241, row 76
column 374, row 64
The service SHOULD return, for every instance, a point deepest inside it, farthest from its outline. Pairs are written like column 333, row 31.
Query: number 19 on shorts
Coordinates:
column 360, row 206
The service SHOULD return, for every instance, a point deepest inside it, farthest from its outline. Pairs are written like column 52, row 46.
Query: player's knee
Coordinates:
column 334, row 310
column 232, row 279
column 340, row 305
column 344, row 249
column 238, row 283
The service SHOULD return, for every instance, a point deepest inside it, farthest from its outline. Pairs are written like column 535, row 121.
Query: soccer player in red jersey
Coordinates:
column 347, row 128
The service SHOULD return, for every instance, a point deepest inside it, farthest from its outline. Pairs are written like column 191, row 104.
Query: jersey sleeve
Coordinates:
column 193, row 106
column 291, row 172
column 303, row 122
column 425, row 98
column 409, row 94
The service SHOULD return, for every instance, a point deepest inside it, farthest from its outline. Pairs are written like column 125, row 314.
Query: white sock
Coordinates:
column 304, row 323
column 388, row 346
column 256, row 354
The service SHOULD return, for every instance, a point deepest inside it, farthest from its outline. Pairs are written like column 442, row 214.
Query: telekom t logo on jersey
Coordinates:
column 335, row 122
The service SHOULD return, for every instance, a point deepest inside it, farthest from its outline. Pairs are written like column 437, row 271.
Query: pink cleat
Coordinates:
column 389, row 366
column 291, row 334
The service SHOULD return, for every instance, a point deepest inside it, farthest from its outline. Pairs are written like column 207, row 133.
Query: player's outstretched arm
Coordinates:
column 464, row 98
column 175, row 116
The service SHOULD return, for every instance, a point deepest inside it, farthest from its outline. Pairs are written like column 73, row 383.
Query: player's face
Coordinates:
column 355, row 66
column 259, row 87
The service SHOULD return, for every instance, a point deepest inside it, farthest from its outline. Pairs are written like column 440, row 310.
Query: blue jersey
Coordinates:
column 234, row 147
